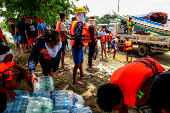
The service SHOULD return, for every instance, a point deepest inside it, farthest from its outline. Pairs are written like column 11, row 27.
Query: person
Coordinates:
column 77, row 35
column 129, row 25
column 129, row 86
column 90, row 40
column 159, row 93
column 12, row 31
column 109, row 39
column 3, row 41
column 8, row 79
column 31, row 32
column 40, row 27
column 60, row 27
column 114, row 46
column 48, row 48
column 53, row 26
column 125, row 28
column 103, row 41
column 71, row 42
column 96, row 50
column 127, row 47
column 20, row 28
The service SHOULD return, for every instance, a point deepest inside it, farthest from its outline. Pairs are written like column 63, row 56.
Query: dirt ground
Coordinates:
column 90, row 86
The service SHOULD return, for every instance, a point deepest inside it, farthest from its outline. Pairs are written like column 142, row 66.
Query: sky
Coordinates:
column 126, row 7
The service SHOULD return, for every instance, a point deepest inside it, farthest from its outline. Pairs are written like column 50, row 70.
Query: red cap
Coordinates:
column 39, row 19
column 11, row 21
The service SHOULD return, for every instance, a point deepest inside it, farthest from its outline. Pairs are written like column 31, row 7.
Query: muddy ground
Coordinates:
column 90, row 86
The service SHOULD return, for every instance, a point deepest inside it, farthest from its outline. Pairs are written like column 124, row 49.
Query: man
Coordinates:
column 12, row 31
column 31, row 32
column 109, row 39
column 40, row 27
column 103, row 41
column 90, row 40
column 129, row 25
column 96, row 50
column 3, row 41
column 129, row 86
column 77, row 33
column 127, row 47
column 60, row 27
column 47, row 50
column 20, row 28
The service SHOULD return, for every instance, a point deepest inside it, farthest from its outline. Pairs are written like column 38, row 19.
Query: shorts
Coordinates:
column 15, row 38
column 31, row 40
column 63, row 46
column 78, row 56
column 22, row 38
column 103, row 45
column 53, row 63
column 128, row 52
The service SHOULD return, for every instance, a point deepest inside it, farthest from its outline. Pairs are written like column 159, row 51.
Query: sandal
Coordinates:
column 75, row 86
column 65, row 69
column 92, row 69
column 87, row 76
column 80, row 83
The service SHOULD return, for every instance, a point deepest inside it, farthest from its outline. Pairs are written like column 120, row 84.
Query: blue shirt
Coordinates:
column 21, row 28
column 41, row 27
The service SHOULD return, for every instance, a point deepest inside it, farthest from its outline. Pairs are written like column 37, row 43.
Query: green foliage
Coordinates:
column 48, row 10
column 105, row 19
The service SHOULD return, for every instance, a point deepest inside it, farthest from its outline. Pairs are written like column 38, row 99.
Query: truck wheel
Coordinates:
column 143, row 50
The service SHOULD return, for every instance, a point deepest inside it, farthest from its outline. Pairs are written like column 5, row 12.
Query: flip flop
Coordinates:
column 66, row 64
column 80, row 83
column 65, row 69
column 92, row 69
column 75, row 86
column 87, row 76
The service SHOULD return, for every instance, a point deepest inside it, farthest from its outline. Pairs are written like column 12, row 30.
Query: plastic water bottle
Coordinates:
column 59, row 93
column 62, row 103
column 44, row 84
column 82, row 110
column 76, row 98
column 61, row 111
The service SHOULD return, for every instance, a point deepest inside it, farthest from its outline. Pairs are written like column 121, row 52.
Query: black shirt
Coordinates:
column 31, row 30
column 13, row 29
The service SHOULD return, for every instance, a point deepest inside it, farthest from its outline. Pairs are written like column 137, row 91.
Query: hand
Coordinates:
column 25, row 73
column 27, row 37
column 11, row 94
column 32, row 79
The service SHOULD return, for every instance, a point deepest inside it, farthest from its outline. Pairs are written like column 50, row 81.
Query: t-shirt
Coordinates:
column 13, row 29
column 62, row 27
column 31, row 30
column 21, row 28
column 41, row 27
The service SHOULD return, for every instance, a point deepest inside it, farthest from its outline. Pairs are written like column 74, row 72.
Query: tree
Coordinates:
column 106, row 19
column 48, row 10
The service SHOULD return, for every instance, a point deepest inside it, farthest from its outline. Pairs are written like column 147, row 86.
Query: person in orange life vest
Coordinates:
column 3, row 41
column 90, row 40
column 109, row 39
column 127, row 47
column 60, row 27
column 114, row 46
column 159, row 93
column 8, row 79
column 77, row 32
column 103, row 41
column 96, row 50
column 47, row 50
column 129, row 86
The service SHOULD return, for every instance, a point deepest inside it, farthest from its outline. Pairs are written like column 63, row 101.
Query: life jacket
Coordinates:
column 6, row 71
column 95, row 35
column 130, row 77
column 129, row 24
column 58, row 29
column 103, row 38
column 128, row 45
column 83, row 37
column 88, row 37
column 44, row 52
column 110, row 37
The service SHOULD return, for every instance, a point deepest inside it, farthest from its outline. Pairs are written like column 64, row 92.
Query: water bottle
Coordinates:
column 76, row 98
column 59, row 93
column 62, row 103
column 61, row 111
column 82, row 110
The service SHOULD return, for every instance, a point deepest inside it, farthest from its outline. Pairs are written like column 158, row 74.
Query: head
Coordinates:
column 73, row 18
column 51, row 37
column 92, row 20
column 6, row 54
column 127, row 38
column 130, row 19
column 109, row 97
column 62, row 17
column 52, row 24
column 39, row 20
column 22, row 19
column 29, row 20
column 12, row 22
column 103, row 28
column 159, row 93
column 81, row 14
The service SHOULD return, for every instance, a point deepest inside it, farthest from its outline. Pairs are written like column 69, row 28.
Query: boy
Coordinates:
column 8, row 80
column 114, row 46
column 47, row 50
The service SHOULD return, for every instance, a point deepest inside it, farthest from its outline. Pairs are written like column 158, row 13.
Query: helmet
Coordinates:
column 80, row 9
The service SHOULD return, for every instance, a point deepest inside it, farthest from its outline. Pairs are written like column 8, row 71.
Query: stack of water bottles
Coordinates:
column 20, row 104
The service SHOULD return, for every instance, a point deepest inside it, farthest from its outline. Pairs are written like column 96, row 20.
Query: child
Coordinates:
column 114, row 46
column 8, row 80
column 47, row 50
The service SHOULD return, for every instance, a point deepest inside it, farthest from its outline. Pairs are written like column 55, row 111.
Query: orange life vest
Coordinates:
column 131, row 77
column 73, row 34
column 58, row 29
column 6, row 71
column 103, row 38
column 88, row 37
column 116, row 42
column 44, row 52
column 95, row 35
column 128, row 45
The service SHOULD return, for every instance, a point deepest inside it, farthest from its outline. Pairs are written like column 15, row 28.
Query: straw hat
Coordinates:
column 92, row 18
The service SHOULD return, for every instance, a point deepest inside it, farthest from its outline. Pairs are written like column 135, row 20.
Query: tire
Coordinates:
column 143, row 50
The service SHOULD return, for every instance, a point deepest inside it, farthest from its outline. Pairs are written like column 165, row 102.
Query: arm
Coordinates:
column 39, row 29
column 39, row 32
column 16, row 31
column 26, row 33
column 123, row 46
column 64, row 35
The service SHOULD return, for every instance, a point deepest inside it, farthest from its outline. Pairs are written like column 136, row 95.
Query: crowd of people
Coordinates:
column 136, row 84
